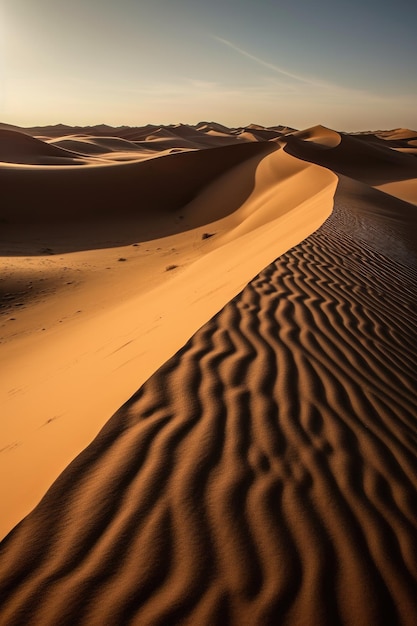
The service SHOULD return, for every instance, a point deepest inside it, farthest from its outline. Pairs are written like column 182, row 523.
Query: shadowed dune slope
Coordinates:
column 70, row 193
column 401, row 139
column 98, row 145
column 402, row 134
column 16, row 147
column 92, row 207
column 387, row 223
column 320, row 136
column 368, row 162
column 266, row 474
column 78, row 329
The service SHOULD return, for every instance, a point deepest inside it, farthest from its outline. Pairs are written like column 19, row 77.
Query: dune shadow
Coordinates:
column 269, row 466
column 83, row 208
column 369, row 163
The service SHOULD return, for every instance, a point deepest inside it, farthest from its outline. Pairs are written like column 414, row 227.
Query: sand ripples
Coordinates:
column 265, row 474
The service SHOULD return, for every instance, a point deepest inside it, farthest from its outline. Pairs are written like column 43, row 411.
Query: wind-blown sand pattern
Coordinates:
column 267, row 472
column 108, row 271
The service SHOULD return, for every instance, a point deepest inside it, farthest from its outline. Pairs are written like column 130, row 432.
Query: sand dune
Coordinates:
column 17, row 147
column 372, row 163
column 319, row 136
column 212, row 126
column 72, row 298
column 71, row 192
column 104, row 145
column 369, row 163
column 266, row 473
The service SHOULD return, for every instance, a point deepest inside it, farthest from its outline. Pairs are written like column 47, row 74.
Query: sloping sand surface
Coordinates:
column 73, row 193
column 320, row 136
column 374, row 164
column 80, row 326
column 266, row 473
column 17, row 147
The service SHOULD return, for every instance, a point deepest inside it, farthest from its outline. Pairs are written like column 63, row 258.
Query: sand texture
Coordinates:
column 265, row 470
column 109, row 268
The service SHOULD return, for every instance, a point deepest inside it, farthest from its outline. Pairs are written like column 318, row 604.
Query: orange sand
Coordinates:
column 267, row 472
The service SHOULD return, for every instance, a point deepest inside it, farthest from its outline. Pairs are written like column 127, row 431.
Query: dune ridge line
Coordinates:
column 264, row 469
column 266, row 472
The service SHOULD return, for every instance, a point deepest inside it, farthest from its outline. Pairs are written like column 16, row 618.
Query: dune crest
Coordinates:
column 264, row 469
column 374, row 163
column 254, row 479
column 244, row 197
column 318, row 135
column 16, row 147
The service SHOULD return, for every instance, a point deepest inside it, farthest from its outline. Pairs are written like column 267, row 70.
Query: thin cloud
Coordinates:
column 270, row 66
column 330, row 88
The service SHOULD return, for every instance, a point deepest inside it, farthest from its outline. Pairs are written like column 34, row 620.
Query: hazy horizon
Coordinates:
column 349, row 67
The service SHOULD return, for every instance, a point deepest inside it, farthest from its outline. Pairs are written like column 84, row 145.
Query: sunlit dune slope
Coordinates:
column 80, row 337
column 374, row 164
column 257, row 304
column 266, row 473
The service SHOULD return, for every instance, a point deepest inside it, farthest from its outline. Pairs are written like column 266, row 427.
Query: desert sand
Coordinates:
column 253, row 292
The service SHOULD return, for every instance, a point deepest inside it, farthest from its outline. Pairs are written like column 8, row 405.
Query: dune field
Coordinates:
column 208, row 347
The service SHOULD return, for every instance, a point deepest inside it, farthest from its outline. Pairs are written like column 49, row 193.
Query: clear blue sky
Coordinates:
column 347, row 65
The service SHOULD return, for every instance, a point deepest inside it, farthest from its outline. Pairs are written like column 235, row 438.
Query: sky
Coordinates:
column 346, row 65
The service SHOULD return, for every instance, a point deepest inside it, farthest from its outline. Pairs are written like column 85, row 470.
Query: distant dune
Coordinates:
column 252, row 291
column 19, row 148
